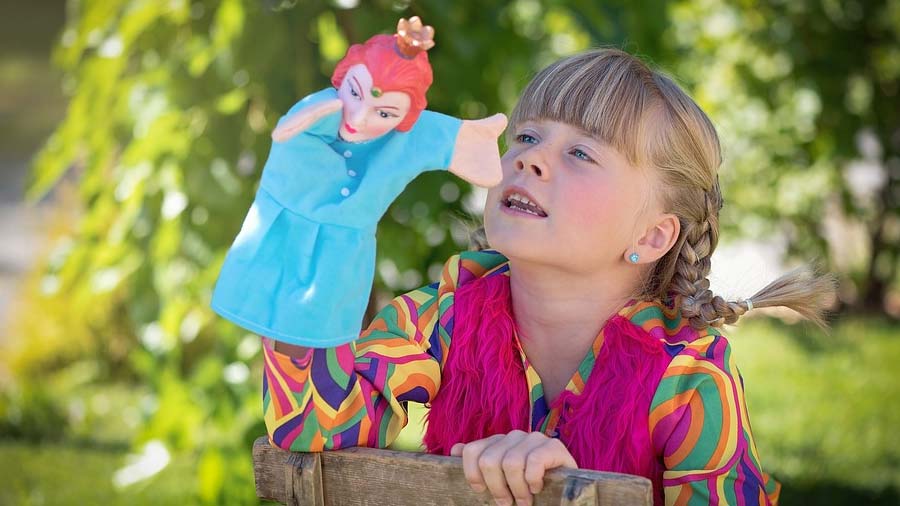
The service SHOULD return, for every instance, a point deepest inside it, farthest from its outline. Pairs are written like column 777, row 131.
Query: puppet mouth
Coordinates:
column 349, row 128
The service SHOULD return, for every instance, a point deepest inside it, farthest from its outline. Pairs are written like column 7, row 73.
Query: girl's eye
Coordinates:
column 353, row 92
column 384, row 114
column 581, row 155
column 528, row 139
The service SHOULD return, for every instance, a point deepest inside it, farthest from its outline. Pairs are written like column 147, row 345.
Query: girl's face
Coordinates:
column 367, row 116
column 565, row 199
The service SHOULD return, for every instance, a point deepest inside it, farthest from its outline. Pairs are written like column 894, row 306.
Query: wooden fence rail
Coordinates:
column 356, row 476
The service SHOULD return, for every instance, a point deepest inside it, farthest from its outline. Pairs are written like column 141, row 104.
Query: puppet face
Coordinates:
column 369, row 112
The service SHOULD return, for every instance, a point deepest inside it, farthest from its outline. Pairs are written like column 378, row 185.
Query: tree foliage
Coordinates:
column 807, row 98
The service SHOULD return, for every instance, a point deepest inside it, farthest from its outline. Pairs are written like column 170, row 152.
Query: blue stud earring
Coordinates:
column 633, row 258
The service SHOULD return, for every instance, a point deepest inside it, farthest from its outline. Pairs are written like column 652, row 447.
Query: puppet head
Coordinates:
column 379, row 69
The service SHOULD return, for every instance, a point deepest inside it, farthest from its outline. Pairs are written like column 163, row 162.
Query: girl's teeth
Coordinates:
column 525, row 200
column 523, row 205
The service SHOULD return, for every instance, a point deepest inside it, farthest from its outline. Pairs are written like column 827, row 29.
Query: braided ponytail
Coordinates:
column 802, row 290
column 686, row 152
column 693, row 263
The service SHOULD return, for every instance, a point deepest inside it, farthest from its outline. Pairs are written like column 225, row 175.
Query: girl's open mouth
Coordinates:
column 349, row 128
column 518, row 203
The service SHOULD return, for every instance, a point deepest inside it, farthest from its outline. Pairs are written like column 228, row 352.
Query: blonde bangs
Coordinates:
column 605, row 92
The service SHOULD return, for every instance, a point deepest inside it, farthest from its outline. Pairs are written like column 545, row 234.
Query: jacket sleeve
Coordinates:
column 354, row 394
column 700, row 425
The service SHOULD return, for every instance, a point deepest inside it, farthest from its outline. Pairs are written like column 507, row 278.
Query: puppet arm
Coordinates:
column 476, row 157
column 302, row 119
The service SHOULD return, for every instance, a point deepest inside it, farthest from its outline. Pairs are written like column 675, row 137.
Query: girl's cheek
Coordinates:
column 584, row 203
column 594, row 212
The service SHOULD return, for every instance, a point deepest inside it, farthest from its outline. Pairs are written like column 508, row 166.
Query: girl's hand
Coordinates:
column 512, row 466
column 304, row 118
column 476, row 157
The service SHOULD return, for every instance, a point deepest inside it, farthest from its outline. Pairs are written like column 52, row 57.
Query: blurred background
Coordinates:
column 133, row 133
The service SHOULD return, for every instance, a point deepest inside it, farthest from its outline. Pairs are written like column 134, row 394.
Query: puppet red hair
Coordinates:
column 391, row 70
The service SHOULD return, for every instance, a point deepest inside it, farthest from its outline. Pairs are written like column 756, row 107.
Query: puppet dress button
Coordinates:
column 345, row 191
column 351, row 172
column 347, row 154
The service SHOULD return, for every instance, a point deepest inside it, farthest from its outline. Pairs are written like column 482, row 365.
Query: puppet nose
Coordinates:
column 358, row 118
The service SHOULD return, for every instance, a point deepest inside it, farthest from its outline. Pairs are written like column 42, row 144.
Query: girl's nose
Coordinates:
column 538, row 169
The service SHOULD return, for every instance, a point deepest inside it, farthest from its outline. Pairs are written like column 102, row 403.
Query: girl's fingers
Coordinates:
column 549, row 455
column 491, row 465
column 512, row 466
column 514, row 463
column 471, row 452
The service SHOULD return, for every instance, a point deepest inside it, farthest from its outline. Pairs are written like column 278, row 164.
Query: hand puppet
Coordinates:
column 301, row 268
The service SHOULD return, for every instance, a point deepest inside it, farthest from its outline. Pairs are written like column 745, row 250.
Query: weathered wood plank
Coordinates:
column 268, row 471
column 303, row 479
column 367, row 476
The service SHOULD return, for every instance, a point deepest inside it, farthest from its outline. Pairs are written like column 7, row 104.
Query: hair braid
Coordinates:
column 699, row 240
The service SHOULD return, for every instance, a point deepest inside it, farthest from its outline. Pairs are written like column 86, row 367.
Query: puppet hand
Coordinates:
column 304, row 118
column 512, row 466
column 476, row 157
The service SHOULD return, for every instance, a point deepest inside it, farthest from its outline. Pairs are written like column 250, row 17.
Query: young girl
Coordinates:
column 588, row 336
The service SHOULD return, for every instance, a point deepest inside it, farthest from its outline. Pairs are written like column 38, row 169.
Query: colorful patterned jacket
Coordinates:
column 356, row 394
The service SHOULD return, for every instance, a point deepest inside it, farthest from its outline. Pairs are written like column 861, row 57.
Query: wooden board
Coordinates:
column 368, row 476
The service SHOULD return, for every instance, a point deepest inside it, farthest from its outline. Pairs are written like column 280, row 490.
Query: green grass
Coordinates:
column 825, row 409
column 62, row 474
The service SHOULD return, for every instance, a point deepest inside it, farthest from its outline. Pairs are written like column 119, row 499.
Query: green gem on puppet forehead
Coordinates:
column 376, row 92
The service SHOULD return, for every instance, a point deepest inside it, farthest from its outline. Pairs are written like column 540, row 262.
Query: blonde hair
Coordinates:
column 654, row 124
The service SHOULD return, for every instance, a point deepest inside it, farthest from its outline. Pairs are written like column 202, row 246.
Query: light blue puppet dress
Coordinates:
column 301, row 268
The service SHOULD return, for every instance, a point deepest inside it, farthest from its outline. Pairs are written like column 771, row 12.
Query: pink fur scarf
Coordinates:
column 484, row 390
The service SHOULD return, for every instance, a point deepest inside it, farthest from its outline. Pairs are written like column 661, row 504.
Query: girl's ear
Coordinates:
column 657, row 240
